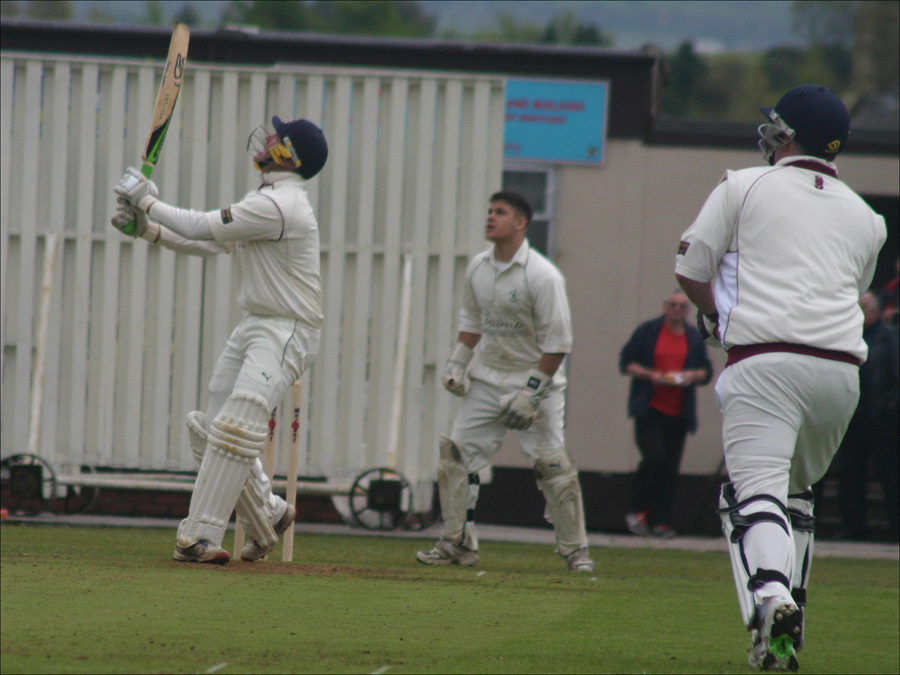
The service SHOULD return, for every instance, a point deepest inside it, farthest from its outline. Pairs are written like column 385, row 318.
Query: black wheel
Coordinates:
column 380, row 499
column 80, row 498
column 31, row 481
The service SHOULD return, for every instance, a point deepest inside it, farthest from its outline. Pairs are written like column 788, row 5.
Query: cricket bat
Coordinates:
column 165, row 102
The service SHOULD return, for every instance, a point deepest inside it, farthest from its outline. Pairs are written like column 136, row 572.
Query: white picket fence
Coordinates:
column 133, row 331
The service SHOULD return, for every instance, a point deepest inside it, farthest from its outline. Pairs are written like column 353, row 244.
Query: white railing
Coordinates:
column 133, row 331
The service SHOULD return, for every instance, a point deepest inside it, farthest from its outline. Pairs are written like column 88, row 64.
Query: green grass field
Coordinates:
column 111, row 600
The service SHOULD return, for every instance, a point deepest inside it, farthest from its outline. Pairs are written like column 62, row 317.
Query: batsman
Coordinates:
column 776, row 262
column 274, row 236
column 514, row 305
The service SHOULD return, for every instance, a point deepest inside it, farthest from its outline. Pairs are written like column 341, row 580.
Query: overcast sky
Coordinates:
column 754, row 25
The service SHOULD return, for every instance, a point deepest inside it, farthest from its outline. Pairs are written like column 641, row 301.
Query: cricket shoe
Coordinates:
column 202, row 552
column 445, row 552
column 579, row 561
column 254, row 551
column 774, row 642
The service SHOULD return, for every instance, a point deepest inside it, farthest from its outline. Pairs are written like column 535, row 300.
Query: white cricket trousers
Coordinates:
column 263, row 356
column 478, row 433
column 784, row 416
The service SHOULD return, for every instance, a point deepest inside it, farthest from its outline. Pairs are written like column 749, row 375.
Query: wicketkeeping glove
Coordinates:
column 454, row 376
column 137, row 189
column 520, row 409
column 708, row 325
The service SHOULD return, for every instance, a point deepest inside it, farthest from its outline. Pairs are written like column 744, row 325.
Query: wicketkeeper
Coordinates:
column 515, row 306
column 273, row 234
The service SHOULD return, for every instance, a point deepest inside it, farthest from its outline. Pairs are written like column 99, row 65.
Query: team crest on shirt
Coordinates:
column 226, row 216
column 683, row 247
column 513, row 296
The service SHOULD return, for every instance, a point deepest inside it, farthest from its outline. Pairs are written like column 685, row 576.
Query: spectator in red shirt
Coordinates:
column 666, row 359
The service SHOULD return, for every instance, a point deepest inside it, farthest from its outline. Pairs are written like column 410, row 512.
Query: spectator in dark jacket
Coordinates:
column 666, row 359
column 872, row 434
column 890, row 298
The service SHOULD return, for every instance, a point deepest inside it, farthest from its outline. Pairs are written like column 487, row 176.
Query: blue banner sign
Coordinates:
column 555, row 121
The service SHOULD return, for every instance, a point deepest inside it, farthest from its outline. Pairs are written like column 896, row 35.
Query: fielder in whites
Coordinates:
column 776, row 262
column 273, row 234
column 514, row 305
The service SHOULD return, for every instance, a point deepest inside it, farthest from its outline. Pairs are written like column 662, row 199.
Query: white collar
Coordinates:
column 520, row 256
column 272, row 177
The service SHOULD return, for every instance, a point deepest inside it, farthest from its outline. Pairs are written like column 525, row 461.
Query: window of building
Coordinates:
column 536, row 184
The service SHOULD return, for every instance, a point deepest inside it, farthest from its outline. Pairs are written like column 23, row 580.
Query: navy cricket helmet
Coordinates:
column 814, row 116
column 305, row 143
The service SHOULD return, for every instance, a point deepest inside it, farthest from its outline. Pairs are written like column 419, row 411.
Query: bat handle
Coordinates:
column 147, row 170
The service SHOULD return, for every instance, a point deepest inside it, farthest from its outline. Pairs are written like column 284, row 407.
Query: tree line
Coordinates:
column 726, row 86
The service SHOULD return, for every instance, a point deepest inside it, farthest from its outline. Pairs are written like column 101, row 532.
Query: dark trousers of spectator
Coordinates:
column 867, row 441
column 660, row 440
column 889, row 466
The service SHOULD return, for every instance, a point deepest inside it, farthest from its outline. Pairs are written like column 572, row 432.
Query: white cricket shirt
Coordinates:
column 791, row 249
column 276, row 239
column 520, row 313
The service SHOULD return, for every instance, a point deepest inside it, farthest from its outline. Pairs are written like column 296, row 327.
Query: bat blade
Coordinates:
column 169, row 88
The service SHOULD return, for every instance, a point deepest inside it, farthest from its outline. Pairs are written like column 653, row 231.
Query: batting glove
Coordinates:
column 144, row 227
column 137, row 189
column 454, row 375
column 519, row 410
column 125, row 215
column 708, row 325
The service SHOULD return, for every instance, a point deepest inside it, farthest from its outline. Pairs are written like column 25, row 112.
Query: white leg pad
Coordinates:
column 236, row 438
column 761, row 549
column 803, row 524
column 258, row 509
column 458, row 492
column 558, row 480
column 196, row 424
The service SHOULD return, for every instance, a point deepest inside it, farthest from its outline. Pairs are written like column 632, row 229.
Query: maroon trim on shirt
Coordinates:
column 740, row 352
column 813, row 166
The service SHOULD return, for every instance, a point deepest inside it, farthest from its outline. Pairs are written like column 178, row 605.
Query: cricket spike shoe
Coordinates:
column 773, row 647
column 202, row 552
column 253, row 551
column 579, row 561
column 445, row 552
